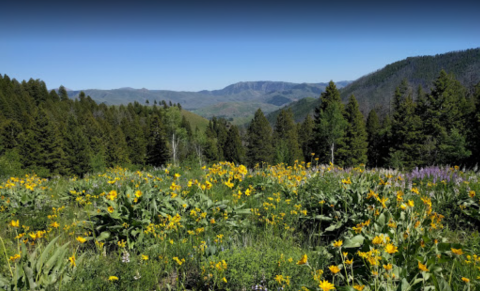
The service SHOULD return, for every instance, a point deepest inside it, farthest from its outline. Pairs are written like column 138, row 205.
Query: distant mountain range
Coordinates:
column 376, row 90
column 236, row 102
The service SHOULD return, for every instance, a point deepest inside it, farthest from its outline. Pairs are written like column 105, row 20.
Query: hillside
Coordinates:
column 377, row 89
column 240, row 97
column 195, row 120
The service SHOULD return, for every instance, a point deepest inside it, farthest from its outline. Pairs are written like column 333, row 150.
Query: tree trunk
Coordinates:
column 331, row 150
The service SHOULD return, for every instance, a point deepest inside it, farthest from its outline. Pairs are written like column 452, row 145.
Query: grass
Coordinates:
column 227, row 227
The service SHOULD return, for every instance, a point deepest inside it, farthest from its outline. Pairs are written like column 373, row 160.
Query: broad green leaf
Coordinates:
column 45, row 254
column 323, row 218
column 354, row 242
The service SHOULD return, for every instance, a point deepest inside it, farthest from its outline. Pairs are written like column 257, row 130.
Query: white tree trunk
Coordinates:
column 174, row 149
column 331, row 150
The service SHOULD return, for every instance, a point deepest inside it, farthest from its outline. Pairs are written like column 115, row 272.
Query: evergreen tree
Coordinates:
column 285, row 138
column 233, row 150
column 157, row 150
column 474, row 137
column 42, row 145
column 330, row 124
column 332, row 128
column 385, row 141
column 356, row 135
column 76, row 149
column 373, row 131
column 443, row 114
column 116, row 153
column 137, row 144
column 259, row 135
column 62, row 92
column 305, row 137
column 407, row 133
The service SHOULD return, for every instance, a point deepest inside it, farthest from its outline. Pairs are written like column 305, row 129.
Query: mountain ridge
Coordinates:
column 376, row 89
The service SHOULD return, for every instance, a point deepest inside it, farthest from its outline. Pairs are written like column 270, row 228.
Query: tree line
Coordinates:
column 49, row 133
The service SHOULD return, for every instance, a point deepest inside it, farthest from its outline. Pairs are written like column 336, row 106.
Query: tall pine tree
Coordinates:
column 356, row 144
column 259, row 135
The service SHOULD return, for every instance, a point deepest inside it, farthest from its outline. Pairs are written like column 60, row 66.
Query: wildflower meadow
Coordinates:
column 229, row 227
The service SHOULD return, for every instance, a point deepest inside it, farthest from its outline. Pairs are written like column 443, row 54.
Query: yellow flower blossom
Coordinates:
column 303, row 260
column 391, row 249
column 334, row 269
column 337, row 243
column 326, row 286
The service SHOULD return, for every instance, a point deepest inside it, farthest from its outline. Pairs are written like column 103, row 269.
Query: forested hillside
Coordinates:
column 376, row 90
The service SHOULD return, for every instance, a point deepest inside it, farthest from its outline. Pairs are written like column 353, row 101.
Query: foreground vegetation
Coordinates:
column 227, row 227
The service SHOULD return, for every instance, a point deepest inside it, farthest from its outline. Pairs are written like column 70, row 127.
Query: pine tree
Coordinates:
column 407, row 135
column 116, row 153
column 330, row 124
column 332, row 128
column 76, row 148
column 63, row 93
column 356, row 135
column 259, row 134
column 285, row 138
column 385, row 141
column 474, row 137
column 305, row 137
column 157, row 149
column 443, row 115
column 373, row 131
column 42, row 146
column 233, row 149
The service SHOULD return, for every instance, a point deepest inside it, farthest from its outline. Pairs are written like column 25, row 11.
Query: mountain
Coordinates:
column 241, row 96
column 376, row 90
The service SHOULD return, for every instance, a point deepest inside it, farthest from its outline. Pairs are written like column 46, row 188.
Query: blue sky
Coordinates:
column 192, row 45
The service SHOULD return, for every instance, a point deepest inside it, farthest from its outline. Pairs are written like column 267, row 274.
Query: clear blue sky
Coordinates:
column 195, row 45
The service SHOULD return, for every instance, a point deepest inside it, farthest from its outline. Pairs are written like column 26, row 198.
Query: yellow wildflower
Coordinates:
column 391, row 249
column 72, row 261
column 81, row 239
column 337, row 243
column 303, row 260
column 14, row 223
column 458, row 252
column 334, row 269
column 326, row 286
column 113, row 278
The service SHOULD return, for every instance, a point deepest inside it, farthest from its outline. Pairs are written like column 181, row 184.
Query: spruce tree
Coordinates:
column 330, row 124
column 157, row 149
column 117, row 148
column 407, row 136
column 259, row 135
column 76, row 148
column 305, row 137
column 42, row 146
column 356, row 136
column 373, row 130
column 233, row 149
column 331, row 128
column 285, row 138
column 443, row 117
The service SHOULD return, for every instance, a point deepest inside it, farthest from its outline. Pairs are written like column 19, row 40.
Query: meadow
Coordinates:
column 229, row 227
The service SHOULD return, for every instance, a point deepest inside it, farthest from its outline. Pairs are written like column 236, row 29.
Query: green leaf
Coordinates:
column 323, row 218
column 104, row 236
column 404, row 285
column 55, row 258
column 354, row 242
column 334, row 226
column 45, row 254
